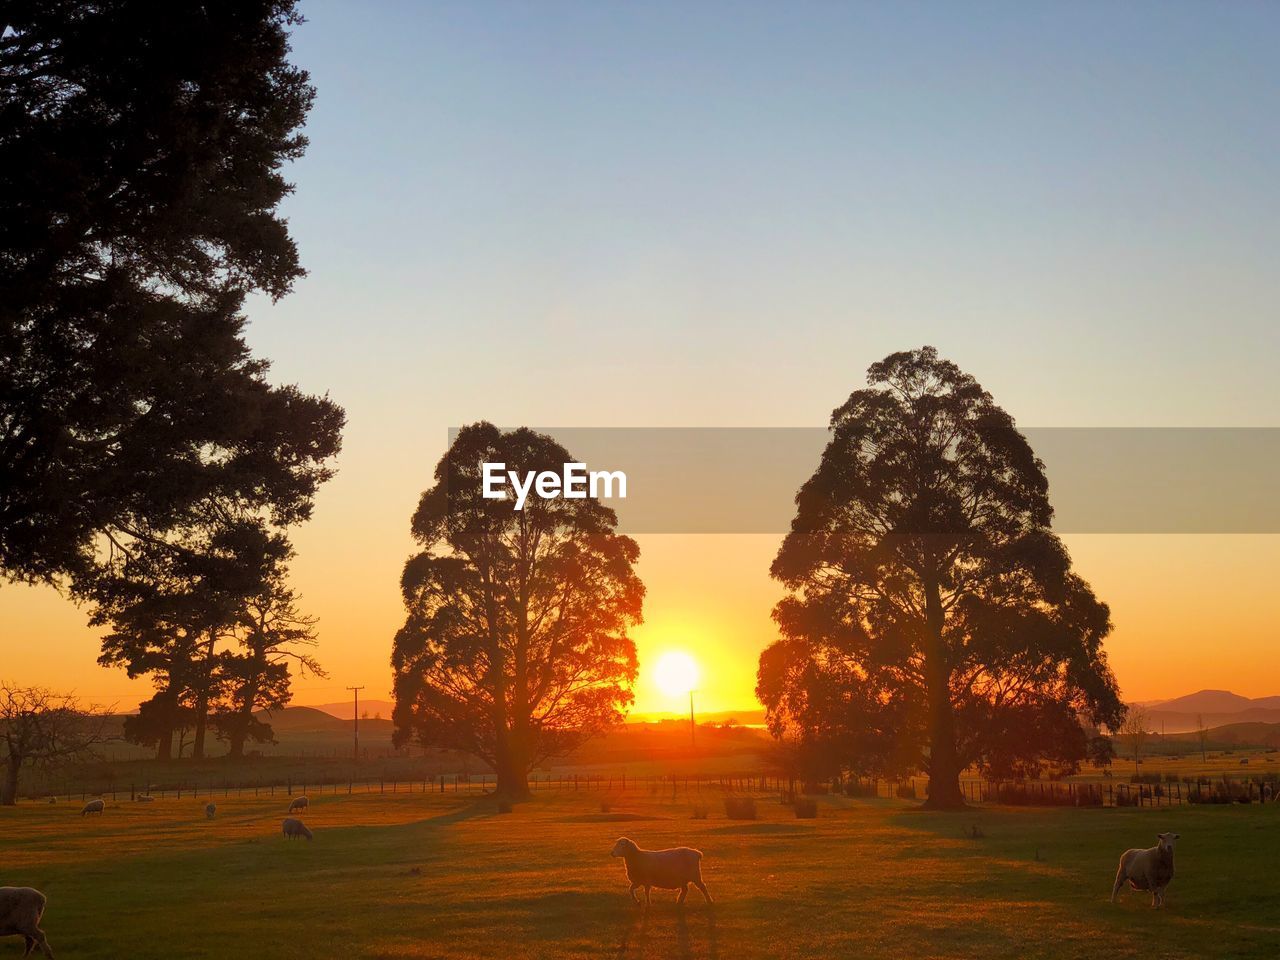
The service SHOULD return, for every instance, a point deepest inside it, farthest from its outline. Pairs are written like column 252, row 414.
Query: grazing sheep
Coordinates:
column 210, row 809
column 93, row 806
column 299, row 803
column 294, row 828
column 20, row 911
column 1150, row 869
column 672, row 869
column 144, row 798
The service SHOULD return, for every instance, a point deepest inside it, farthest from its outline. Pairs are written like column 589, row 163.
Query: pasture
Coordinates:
column 427, row 876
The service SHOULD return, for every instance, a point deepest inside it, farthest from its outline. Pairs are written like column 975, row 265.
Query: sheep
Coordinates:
column 672, row 869
column 210, row 809
column 299, row 803
column 144, row 798
column 294, row 828
column 1150, row 869
column 20, row 911
column 93, row 806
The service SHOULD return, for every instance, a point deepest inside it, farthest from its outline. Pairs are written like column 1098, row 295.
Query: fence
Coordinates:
column 975, row 791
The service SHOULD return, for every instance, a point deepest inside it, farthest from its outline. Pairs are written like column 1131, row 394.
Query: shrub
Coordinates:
column 740, row 808
column 859, row 788
column 806, row 808
column 700, row 811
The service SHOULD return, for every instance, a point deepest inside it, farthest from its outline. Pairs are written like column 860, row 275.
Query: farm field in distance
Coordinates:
column 449, row 876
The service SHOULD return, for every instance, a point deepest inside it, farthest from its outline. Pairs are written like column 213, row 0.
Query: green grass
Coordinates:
column 444, row 876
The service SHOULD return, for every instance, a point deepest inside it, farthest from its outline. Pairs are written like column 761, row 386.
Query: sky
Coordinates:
column 577, row 214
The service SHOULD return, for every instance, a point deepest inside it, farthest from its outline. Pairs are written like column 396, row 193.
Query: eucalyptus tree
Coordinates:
column 932, row 614
column 516, row 644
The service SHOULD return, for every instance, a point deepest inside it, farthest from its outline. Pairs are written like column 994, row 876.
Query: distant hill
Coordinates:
column 1215, row 701
column 746, row 718
column 1214, row 708
column 1245, row 734
column 342, row 709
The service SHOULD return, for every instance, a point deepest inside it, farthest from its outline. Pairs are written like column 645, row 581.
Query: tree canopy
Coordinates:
column 932, row 618
column 141, row 170
column 515, row 646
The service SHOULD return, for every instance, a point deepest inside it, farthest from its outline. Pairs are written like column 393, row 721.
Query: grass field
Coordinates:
column 443, row 876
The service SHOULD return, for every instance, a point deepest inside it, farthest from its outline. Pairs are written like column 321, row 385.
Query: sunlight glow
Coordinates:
column 676, row 673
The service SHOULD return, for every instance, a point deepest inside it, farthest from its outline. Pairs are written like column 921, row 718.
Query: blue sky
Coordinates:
column 596, row 214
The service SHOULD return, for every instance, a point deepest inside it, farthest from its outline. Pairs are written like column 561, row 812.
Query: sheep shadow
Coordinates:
column 649, row 933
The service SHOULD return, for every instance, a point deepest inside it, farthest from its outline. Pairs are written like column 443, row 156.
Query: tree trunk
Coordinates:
column 164, row 748
column 9, row 788
column 944, row 763
column 202, row 701
column 513, row 774
column 202, row 721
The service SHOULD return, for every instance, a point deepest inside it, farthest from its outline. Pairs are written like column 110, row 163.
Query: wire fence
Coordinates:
column 1152, row 793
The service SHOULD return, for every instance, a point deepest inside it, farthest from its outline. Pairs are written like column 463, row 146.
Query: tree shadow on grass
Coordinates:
column 763, row 829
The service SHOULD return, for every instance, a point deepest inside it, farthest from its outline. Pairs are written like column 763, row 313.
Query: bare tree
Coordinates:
column 42, row 729
column 1133, row 728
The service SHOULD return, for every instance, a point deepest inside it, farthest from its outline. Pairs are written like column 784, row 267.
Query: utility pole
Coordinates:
column 355, row 721
column 693, row 729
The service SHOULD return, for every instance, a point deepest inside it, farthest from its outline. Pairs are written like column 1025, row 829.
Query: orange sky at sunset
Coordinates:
column 644, row 218
column 1191, row 612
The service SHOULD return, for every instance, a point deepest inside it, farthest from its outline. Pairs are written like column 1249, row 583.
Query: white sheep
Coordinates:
column 672, row 869
column 144, row 798
column 1149, row 869
column 210, row 809
column 20, row 911
column 299, row 803
column 93, row 806
column 294, row 828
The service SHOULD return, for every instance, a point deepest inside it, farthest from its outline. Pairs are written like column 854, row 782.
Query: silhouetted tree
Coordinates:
column 1134, row 729
column 931, row 608
column 170, row 602
column 141, row 149
column 271, row 633
column 41, row 729
column 515, row 647
column 158, row 720
column 1101, row 752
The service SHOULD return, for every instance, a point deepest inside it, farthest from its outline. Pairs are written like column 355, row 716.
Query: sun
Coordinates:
column 676, row 673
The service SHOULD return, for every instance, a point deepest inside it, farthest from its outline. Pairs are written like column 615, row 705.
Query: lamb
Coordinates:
column 294, row 828
column 672, row 869
column 20, row 911
column 299, row 803
column 94, row 806
column 210, row 809
column 1150, row 869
